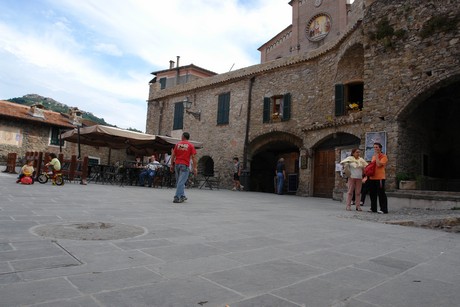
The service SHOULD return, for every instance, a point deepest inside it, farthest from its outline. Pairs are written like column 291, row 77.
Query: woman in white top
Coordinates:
column 354, row 165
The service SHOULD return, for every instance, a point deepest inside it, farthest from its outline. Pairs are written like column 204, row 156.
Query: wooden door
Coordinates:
column 324, row 173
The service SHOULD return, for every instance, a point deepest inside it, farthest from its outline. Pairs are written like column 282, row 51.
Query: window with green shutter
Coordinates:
column 286, row 112
column 178, row 116
column 267, row 110
column 54, row 136
column 348, row 98
column 277, row 108
column 162, row 83
column 339, row 100
column 223, row 109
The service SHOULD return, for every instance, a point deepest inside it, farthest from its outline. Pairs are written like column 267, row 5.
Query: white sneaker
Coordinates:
column 241, row 187
column 234, row 189
column 380, row 212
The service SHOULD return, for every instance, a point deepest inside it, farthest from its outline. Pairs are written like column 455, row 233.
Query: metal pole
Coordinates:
column 79, row 151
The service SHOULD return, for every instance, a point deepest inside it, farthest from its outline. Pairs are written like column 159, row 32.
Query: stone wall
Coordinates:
column 36, row 137
column 399, row 71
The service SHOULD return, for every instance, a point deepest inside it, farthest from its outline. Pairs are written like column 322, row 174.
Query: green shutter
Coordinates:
column 178, row 116
column 162, row 83
column 223, row 109
column 286, row 107
column 339, row 100
column 266, row 111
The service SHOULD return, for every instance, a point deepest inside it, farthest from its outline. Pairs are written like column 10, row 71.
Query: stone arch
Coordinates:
column 264, row 151
column 206, row 165
column 428, row 136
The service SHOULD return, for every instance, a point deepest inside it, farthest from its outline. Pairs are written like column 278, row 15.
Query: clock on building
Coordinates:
column 318, row 2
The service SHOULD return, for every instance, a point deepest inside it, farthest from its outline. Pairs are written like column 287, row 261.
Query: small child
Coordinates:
column 26, row 170
column 54, row 165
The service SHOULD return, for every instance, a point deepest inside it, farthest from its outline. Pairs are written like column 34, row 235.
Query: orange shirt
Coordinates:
column 380, row 170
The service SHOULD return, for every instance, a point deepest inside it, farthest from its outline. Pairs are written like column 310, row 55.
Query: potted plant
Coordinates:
column 406, row 181
column 276, row 116
column 353, row 106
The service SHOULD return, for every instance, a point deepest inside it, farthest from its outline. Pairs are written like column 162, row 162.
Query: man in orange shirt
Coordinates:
column 377, row 181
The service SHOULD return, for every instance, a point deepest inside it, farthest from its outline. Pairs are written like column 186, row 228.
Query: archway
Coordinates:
column 428, row 135
column 265, row 151
column 206, row 166
column 325, row 159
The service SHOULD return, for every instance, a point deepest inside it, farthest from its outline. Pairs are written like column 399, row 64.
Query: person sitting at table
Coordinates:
column 138, row 162
column 149, row 171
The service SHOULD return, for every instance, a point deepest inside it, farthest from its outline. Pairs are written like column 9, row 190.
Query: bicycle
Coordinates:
column 56, row 177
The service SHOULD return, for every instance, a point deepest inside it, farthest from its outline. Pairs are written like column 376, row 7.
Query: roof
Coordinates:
column 22, row 112
column 191, row 66
column 257, row 69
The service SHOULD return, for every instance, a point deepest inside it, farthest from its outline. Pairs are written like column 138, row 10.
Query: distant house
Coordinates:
column 33, row 128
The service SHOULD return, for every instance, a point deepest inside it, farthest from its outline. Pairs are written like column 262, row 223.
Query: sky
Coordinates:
column 98, row 55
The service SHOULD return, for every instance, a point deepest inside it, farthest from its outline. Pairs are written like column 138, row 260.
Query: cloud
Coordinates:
column 109, row 49
column 98, row 55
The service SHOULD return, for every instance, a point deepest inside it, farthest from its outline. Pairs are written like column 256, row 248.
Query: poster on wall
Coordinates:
column 10, row 136
column 375, row 137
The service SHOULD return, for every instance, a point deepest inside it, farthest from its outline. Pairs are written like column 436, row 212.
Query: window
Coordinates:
column 162, row 83
column 223, row 109
column 277, row 108
column 54, row 136
column 346, row 95
column 178, row 116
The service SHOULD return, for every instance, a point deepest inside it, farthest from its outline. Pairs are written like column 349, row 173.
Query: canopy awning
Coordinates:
column 116, row 138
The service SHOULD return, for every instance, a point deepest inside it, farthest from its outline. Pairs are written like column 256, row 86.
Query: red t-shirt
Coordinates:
column 183, row 151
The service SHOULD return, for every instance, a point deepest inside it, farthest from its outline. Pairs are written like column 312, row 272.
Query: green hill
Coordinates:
column 56, row 106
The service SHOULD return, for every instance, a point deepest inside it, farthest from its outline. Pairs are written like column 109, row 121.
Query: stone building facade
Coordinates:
column 398, row 61
column 33, row 129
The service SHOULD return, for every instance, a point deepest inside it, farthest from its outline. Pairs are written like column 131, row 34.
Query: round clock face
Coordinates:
column 318, row 2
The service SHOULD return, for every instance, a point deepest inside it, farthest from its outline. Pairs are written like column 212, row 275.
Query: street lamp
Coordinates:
column 76, row 117
column 187, row 105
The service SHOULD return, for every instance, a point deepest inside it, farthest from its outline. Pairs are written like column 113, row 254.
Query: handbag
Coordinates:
column 346, row 170
column 369, row 170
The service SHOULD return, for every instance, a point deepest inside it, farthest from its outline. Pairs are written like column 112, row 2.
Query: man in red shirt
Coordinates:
column 180, row 163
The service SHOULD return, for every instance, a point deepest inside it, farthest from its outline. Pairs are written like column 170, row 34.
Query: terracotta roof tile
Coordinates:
column 19, row 111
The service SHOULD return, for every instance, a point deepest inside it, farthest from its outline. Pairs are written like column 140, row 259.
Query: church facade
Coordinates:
column 340, row 76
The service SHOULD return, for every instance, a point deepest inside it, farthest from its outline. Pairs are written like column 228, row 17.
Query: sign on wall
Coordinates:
column 10, row 136
column 374, row 137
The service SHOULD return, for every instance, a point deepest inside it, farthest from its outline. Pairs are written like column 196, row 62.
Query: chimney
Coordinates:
column 75, row 116
column 171, row 64
column 37, row 110
column 178, row 57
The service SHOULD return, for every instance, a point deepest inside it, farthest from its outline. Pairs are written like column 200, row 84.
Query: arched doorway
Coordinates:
column 206, row 166
column 266, row 151
column 428, row 135
column 325, row 160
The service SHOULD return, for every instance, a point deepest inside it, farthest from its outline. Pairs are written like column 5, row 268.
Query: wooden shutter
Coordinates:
column 339, row 99
column 162, row 83
column 286, row 107
column 267, row 110
column 223, row 109
column 178, row 116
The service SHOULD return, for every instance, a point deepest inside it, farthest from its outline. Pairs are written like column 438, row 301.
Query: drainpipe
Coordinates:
column 177, row 70
column 248, row 120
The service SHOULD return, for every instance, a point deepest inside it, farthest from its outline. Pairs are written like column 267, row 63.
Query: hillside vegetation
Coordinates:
column 53, row 105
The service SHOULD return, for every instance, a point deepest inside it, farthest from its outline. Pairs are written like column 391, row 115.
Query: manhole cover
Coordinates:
column 88, row 231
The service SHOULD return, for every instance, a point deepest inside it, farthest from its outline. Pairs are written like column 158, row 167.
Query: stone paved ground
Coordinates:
column 439, row 219
column 220, row 248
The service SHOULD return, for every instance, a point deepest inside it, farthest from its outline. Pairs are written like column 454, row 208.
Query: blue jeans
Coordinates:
column 149, row 173
column 182, row 172
column 280, row 183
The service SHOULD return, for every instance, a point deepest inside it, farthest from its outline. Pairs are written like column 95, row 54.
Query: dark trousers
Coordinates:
column 377, row 188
